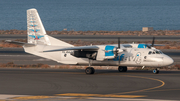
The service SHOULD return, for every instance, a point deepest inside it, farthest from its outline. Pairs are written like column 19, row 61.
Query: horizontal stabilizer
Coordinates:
column 20, row 43
column 75, row 48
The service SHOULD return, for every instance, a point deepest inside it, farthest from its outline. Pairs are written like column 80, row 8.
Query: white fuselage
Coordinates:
column 129, row 57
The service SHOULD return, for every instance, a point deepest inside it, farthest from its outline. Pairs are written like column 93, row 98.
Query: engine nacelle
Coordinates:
column 107, row 52
column 104, row 52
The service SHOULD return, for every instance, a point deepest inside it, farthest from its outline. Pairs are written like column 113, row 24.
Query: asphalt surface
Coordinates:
column 75, row 85
column 99, row 37
column 53, row 84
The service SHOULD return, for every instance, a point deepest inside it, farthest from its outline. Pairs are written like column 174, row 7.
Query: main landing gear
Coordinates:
column 122, row 68
column 156, row 71
column 89, row 70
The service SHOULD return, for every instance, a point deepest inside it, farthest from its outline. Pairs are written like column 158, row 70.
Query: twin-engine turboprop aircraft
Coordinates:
column 122, row 55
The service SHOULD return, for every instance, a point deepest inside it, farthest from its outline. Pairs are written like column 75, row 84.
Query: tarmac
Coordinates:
column 75, row 85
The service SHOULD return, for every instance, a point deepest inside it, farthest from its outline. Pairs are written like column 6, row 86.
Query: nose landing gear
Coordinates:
column 156, row 71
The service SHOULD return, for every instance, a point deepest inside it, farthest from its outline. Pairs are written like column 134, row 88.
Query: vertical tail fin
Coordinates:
column 36, row 32
column 35, row 29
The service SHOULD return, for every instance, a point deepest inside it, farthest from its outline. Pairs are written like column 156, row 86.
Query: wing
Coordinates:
column 155, row 45
column 91, row 48
column 127, row 45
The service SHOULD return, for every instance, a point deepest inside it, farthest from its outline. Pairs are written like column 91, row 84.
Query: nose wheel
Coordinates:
column 89, row 70
column 122, row 69
column 156, row 71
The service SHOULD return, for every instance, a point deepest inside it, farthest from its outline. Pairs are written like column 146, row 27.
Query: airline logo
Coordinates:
column 33, row 25
column 36, row 37
column 36, row 30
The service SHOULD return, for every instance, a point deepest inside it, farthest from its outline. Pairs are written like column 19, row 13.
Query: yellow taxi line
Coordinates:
column 32, row 97
column 100, row 95
column 162, row 84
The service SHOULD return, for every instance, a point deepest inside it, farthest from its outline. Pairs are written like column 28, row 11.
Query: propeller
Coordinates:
column 118, row 49
column 152, row 45
column 153, row 42
column 119, row 42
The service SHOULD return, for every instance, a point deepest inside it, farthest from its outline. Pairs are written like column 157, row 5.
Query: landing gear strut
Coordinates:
column 156, row 71
column 122, row 68
column 89, row 70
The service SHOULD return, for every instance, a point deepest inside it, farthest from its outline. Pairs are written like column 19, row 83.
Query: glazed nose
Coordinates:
column 168, row 60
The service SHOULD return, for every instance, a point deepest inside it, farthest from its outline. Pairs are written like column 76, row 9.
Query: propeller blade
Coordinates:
column 119, row 42
column 153, row 42
column 119, row 61
column 119, row 48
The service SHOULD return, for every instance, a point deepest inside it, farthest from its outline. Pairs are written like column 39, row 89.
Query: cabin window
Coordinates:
column 145, row 57
column 150, row 52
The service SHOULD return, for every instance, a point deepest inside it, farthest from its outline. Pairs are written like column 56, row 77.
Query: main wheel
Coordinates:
column 89, row 70
column 122, row 68
column 155, row 71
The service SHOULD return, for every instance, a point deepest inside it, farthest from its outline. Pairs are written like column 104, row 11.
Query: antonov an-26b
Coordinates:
column 121, row 55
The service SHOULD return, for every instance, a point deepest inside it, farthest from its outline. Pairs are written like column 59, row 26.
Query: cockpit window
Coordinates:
column 161, row 52
column 157, row 52
column 150, row 52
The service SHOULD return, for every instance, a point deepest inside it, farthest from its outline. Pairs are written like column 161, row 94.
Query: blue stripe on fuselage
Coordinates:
column 109, row 51
column 141, row 46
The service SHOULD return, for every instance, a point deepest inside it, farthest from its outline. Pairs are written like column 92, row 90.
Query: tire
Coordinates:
column 122, row 68
column 125, row 69
column 155, row 71
column 89, row 70
column 93, row 70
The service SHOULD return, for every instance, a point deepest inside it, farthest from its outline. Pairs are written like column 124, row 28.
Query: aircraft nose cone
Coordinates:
column 168, row 61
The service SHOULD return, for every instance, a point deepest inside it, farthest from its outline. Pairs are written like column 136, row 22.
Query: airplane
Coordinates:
column 121, row 55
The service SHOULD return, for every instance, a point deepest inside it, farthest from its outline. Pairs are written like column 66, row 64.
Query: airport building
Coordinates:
column 145, row 29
